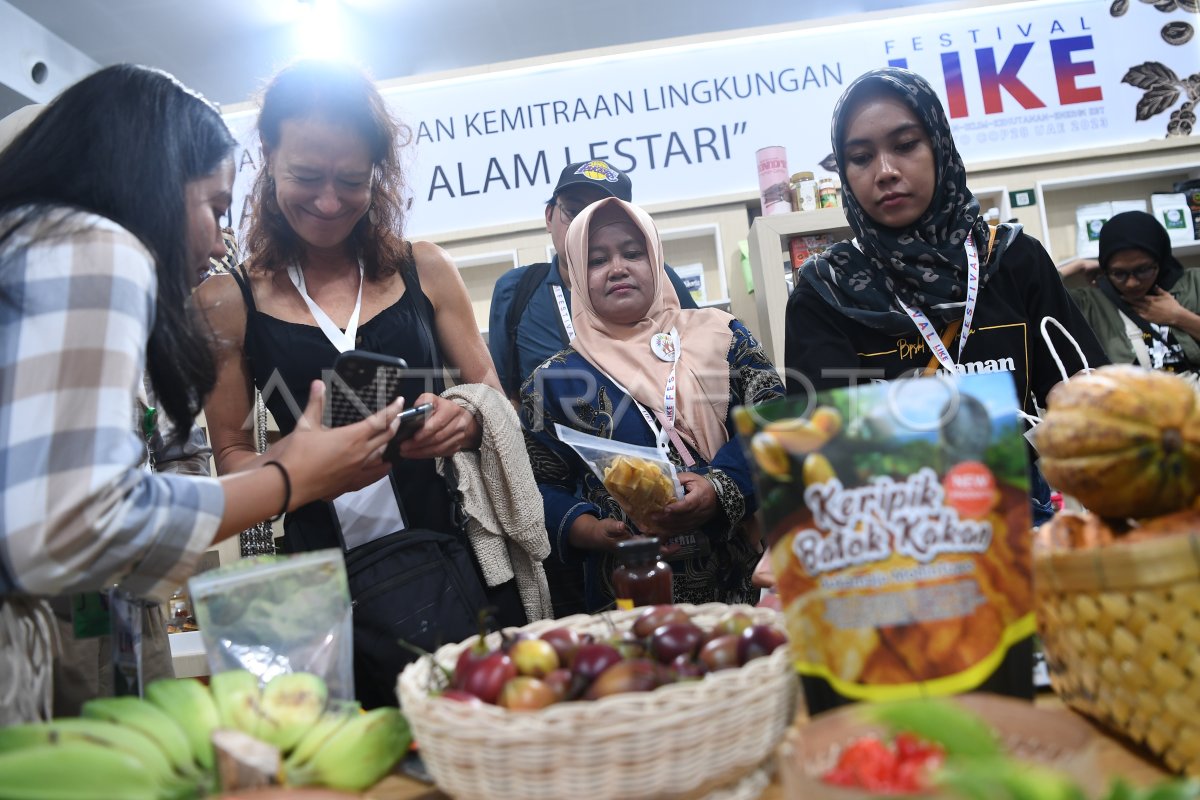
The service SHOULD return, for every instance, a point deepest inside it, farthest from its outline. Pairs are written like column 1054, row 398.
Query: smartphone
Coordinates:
column 411, row 420
column 360, row 384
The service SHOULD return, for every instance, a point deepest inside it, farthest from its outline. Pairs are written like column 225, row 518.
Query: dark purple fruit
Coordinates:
column 637, row 675
column 759, row 640
column 675, row 639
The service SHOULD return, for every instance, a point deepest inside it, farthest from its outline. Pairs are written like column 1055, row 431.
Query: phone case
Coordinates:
column 361, row 383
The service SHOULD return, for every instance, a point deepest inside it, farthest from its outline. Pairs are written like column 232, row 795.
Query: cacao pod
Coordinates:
column 1123, row 440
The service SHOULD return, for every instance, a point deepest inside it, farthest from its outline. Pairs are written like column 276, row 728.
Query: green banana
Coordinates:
column 237, row 696
column 189, row 703
column 149, row 720
column 291, row 704
column 958, row 731
column 93, row 731
column 358, row 754
column 329, row 723
column 74, row 771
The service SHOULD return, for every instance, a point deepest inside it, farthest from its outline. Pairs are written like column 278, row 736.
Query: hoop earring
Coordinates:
column 373, row 215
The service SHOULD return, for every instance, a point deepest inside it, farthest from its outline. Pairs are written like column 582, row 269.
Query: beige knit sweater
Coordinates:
column 505, row 524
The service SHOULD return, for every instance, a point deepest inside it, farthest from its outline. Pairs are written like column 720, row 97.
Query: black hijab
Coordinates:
column 1137, row 230
column 925, row 264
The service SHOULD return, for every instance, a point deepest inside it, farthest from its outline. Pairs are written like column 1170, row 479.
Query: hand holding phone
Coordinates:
column 360, row 384
column 411, row 420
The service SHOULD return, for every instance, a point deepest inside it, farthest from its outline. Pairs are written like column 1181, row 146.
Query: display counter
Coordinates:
column 1113, row 756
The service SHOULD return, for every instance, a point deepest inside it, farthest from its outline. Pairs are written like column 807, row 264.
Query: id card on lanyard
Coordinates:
column 929, row 332
column 374, row 511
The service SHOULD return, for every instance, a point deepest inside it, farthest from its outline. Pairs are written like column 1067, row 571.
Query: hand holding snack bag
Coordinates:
column 641, row 479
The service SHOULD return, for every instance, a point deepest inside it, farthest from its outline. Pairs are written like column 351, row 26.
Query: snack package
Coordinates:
column 277, row 614
column 899, row 522
column 640, row 479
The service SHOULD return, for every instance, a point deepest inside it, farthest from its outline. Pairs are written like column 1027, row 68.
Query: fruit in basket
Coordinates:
column 732, row 622
column 639, row 485
column 592, row 659
column 534, row 657
column 524, row 693
column 565, row 642
column 675, row 639
column 758, row 641
column 487, row 678
column 635, row 675
column 720, row 653
column 655, row 617
column 1124, row 441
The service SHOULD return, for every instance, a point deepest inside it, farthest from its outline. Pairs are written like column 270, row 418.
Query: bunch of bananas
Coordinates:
column 161, row 748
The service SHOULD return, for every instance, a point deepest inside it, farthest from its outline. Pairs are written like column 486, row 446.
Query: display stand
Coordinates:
column 770, row 263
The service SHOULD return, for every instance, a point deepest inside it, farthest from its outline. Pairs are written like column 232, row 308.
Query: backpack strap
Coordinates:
column 533, row 277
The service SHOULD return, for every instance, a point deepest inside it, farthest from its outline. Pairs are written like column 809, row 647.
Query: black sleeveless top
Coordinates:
column 286, row 357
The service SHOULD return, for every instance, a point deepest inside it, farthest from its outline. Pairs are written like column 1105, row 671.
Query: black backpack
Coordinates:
column 531, row 279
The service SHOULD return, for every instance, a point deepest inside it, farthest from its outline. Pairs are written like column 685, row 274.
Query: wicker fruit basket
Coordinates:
column 1121, row 629
column 682, row 740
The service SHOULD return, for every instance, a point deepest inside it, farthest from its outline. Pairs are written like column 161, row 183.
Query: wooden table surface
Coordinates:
column 1113, row 756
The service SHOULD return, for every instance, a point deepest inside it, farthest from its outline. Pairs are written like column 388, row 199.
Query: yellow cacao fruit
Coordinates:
column 1123, row 440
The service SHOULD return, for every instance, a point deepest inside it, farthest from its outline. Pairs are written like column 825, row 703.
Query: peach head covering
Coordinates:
column 623, row 352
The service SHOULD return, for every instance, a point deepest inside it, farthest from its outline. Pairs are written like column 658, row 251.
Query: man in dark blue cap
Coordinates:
column 530, row 318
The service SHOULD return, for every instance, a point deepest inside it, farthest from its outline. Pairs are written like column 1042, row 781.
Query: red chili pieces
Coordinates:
column 902, row 767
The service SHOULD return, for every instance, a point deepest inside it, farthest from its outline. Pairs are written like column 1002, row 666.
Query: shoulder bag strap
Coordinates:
column 1140, row 351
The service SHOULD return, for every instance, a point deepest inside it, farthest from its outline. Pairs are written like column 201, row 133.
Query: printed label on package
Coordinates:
column 899, row 520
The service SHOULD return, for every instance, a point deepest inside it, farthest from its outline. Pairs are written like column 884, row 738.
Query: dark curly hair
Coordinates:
column 343, row 94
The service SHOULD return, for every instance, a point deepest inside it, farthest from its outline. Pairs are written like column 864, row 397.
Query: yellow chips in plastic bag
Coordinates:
column 639, row 485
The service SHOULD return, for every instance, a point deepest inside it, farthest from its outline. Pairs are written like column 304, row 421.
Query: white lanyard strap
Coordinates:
column 925, row 327
column 564, row 312
column 666, row 432
column 343, row 341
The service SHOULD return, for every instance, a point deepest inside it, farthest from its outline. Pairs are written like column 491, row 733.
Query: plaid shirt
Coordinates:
column 77, row 510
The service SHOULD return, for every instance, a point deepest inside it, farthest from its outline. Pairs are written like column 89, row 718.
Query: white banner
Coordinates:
column 684, row 122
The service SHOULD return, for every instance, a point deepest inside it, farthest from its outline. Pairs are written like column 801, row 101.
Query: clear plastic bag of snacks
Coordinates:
column 641, row 479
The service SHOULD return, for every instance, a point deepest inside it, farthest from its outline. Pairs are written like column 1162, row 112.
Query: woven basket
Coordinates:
column 682, row 740
column 1121, row 630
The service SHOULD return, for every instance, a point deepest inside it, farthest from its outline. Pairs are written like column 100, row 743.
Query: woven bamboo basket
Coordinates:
column 689, row 739
column 1121, row 629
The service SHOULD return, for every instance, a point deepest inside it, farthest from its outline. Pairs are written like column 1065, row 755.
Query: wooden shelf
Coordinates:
column 769, row 265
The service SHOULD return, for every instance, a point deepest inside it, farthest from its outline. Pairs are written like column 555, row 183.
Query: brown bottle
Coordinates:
column 640, row 578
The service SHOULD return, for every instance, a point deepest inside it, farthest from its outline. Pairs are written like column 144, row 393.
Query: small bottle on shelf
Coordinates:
column 641, row 578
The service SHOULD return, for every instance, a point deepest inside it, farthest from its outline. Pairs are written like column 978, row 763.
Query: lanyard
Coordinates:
column 925, row 327
column 667, row 430
column 564, row 312
column 342, row 341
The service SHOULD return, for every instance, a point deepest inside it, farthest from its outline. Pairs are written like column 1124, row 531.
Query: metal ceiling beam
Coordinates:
column 35, row 63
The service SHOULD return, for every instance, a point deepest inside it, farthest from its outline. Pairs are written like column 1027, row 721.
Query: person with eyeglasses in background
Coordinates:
column 1142, row 304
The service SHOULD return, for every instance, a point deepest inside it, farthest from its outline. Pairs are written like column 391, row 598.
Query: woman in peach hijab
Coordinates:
column 642, row 371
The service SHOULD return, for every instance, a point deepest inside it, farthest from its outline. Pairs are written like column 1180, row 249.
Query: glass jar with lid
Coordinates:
column 641, row 577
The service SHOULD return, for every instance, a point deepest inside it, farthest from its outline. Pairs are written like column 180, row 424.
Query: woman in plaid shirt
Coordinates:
column 109, row 209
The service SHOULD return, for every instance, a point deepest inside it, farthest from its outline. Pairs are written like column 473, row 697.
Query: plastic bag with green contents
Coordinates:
column 277, row 614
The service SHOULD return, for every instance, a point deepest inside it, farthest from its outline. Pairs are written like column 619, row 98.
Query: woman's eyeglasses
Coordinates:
column 1137, row 273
